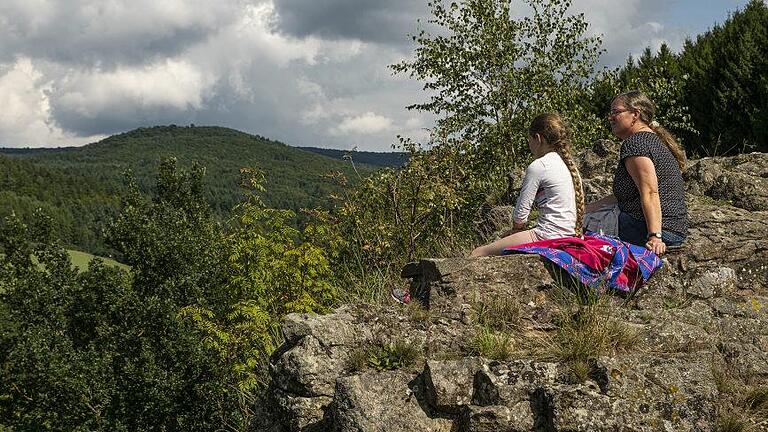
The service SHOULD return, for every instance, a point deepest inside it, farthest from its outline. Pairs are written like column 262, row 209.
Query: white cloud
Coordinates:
column 314, row 115
column 627, row 27
column 25, row 120
column 174, row 84
column 414, row 122
column 91, row 67
column 365, row 124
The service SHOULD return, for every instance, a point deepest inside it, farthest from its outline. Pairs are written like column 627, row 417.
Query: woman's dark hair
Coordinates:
column 554, row 131
column 638, row 101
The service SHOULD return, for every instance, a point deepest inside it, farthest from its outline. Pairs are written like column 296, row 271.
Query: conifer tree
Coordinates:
column 728, row 86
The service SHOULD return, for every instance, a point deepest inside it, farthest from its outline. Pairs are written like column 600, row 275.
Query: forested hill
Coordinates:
column 293, row 176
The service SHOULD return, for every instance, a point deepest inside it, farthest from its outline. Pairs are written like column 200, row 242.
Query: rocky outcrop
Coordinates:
column 699, row 334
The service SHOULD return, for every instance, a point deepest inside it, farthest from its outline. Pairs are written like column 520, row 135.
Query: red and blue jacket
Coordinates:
column 597, row 259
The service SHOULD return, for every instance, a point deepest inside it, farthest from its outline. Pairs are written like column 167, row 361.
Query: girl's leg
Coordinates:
column 497, row 247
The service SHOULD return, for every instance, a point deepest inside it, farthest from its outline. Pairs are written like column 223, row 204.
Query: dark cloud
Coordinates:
column 118, row 121
column 104, row 34
column 367, row 20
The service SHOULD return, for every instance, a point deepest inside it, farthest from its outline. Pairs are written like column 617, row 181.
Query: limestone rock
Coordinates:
column 701, row 317
column 722, row 279
column 497, row 418
column 740, row 180
column 383, row 401
column 449, row 384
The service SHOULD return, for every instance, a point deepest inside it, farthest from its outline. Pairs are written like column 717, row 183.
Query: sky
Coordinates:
column 304, row 72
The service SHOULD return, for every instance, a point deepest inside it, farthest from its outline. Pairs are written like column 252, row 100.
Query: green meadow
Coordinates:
column 81, row 260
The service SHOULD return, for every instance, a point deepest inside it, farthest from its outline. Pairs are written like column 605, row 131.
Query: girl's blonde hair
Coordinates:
column 554, row 131
column 638, row 101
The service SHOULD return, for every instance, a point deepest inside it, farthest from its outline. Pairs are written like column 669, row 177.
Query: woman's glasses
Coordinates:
column 617, row 112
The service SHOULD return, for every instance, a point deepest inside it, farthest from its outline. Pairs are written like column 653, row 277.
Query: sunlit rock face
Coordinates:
column 699, row 347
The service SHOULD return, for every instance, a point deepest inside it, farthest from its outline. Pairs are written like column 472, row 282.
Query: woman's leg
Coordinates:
column 497, row 247
column 632, row 230
column 672, row 238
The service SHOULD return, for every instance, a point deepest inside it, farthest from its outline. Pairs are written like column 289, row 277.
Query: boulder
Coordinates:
column 388, row 401
column 702, row 317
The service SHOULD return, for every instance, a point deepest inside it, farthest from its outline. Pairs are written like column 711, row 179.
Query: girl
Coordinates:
column 553, row 182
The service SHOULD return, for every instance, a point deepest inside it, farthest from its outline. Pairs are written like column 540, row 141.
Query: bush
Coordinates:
column 177, row 343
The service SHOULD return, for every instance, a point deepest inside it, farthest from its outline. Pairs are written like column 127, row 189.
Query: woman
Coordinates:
column 648, row 182
column 552, row 181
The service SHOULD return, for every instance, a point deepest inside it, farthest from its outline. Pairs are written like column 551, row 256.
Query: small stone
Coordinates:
column 720, row 280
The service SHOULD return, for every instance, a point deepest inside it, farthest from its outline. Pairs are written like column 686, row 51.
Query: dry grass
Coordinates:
column 731, row 423
column 499, row 313
column 416, row 312
column 372, row 286
column 587, row 327
column 757, row 399
column 742, row 405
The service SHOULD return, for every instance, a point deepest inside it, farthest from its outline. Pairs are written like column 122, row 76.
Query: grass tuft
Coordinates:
column 586, row 329
column 416, row 312
column 384, row 356
column 372, row 286
column 724, row 382
column 496, row 312
column 731, row 423
column 757, row 399
column 492, row 344
column 741, row 406
column 672, row 302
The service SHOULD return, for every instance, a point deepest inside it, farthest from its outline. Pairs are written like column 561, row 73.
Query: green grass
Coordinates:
column 496, row 317
column 81, row 260
column 384, row 356
column 491, row 344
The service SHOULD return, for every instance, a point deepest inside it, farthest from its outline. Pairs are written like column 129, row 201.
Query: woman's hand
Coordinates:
column 656, row 245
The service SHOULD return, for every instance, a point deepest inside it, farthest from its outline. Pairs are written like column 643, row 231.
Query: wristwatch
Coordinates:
column 654, row 234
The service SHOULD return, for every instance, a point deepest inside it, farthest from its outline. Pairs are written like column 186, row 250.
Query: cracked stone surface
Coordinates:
column 704, row 314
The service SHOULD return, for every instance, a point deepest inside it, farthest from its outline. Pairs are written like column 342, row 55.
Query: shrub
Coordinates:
column 179, row 342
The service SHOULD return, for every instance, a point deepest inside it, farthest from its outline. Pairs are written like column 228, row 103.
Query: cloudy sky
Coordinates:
column 305, row 72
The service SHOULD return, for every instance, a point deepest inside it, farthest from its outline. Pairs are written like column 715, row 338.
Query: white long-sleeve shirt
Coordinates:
column 548, row 183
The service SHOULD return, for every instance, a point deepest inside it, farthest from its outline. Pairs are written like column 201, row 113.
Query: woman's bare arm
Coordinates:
column 643, row 173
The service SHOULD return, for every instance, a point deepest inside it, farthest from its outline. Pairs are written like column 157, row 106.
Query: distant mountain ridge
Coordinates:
column 294, row 176
column 379, row 159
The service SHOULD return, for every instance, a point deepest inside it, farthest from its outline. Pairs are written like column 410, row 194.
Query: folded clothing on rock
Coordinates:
column 596, row 259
